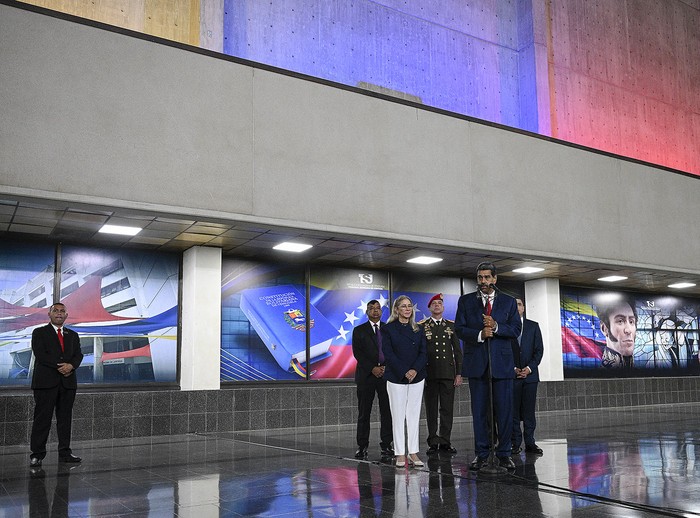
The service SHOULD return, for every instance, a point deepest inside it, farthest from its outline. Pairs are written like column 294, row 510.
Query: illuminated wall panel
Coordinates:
column 462, row 58
column 627, row 78
column 128, row 14
column 620, row 76
column 177, row 20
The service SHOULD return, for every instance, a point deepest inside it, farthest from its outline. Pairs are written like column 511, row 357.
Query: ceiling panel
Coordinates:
column 79, row 224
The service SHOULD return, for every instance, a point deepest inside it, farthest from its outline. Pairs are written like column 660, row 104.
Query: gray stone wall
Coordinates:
column 124, row 414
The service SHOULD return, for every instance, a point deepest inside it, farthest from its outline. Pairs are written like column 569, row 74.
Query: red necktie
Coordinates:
column 488, row 307
column 60, row 338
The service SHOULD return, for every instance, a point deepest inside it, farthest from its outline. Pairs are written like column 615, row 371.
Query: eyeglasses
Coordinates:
column 406, row 306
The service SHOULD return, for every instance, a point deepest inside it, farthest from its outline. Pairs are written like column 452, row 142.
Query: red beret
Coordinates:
column 436, row 297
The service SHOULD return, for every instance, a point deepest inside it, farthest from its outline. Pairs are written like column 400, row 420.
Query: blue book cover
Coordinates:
column 277, row 313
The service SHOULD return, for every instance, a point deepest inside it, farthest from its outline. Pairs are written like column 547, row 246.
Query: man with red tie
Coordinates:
column 56, row 357
column 487, row 320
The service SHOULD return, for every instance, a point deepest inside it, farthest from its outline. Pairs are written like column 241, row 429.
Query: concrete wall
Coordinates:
column 177, row 20
column 626, row 77
column 620, row 76
column 456, row 55
column 95, row 116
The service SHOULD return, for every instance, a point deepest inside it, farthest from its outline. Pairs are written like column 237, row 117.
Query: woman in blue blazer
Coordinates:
column 405, row 351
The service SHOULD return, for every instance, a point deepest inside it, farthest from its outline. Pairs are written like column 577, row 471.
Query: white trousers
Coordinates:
column 405, row 403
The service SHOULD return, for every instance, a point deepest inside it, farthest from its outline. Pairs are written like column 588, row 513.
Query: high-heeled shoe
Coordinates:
column 415, row 461
column 400, row 461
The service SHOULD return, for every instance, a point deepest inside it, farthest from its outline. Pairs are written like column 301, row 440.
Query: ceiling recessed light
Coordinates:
column 528, row 269
column 424, row 259
column 120, row 230
column 608, row 298
column 288, row 246
column 681, row 285
column 612, row 278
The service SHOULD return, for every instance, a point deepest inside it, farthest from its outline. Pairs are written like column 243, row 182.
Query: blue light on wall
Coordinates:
column 467, row 59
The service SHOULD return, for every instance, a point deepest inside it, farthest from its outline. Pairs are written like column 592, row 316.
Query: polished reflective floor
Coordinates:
column 618, row 462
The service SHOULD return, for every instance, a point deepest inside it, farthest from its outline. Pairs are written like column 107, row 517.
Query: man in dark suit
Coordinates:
column 369, row 376
column 56, row 357
column 444, row 374
column 487, row 320
column 527, row 352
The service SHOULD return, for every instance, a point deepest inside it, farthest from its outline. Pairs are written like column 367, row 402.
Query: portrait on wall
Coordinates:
column 611, row 334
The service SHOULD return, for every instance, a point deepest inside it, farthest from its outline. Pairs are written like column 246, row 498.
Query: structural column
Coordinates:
column 201, row 319
column 542, row 304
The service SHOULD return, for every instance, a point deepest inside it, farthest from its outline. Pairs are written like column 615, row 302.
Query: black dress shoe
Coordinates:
column 69, row 458
column 361, row 453
column 533, row 448
column 432, row 450
column 478, row 463
column 34, row 462
column 506, row 462
column 514, row 450
column 387, row 452
column 447, row 448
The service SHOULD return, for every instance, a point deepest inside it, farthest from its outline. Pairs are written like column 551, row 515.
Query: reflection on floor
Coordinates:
column 617, row 462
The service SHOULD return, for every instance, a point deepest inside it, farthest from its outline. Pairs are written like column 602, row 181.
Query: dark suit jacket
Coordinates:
column 531, row 349
column 404, row 349
column 468, row 324
column 365, row 351
column 47, row 356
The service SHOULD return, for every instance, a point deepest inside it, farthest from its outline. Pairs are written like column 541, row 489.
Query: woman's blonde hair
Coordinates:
column 395, row 312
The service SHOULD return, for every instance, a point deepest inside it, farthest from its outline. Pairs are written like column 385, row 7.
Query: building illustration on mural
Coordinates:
column 122, row 304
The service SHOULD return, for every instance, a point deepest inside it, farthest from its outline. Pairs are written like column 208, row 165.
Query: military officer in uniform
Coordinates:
column 444, row 374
